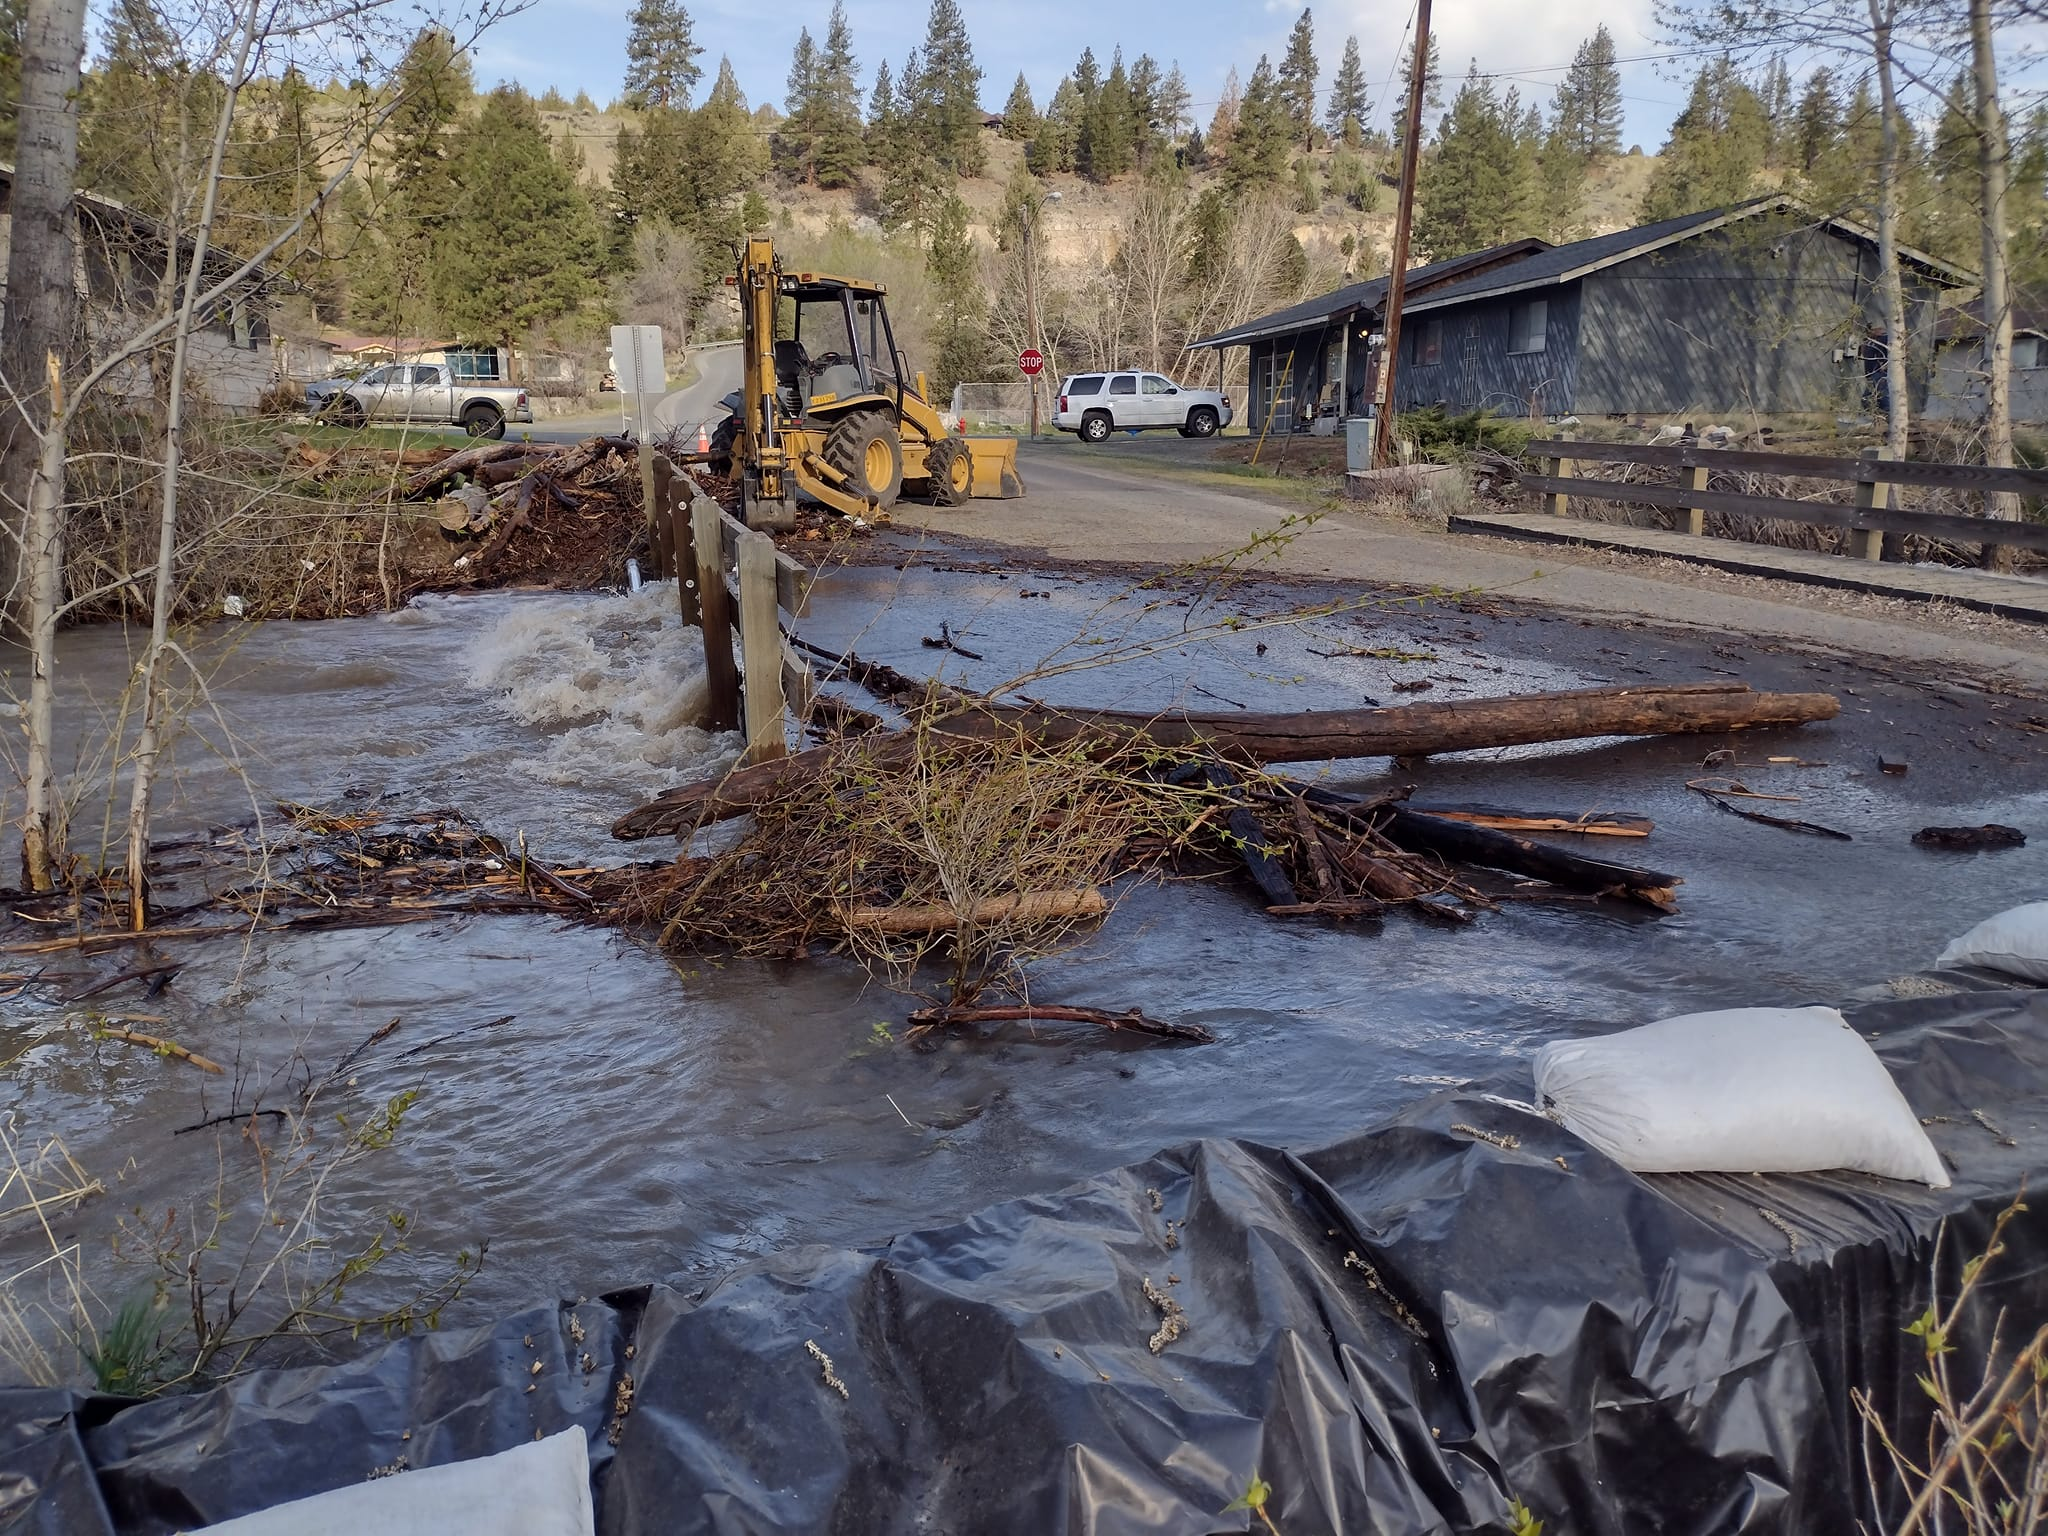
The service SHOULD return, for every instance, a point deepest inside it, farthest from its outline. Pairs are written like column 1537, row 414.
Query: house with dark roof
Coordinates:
column 1957, row 393
column 1314, row 361
column 1763, row 308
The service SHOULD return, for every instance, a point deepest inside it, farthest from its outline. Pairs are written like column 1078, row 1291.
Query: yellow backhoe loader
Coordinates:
column 832, row 410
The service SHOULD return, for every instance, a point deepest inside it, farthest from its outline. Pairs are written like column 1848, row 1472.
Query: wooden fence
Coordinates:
column 736, row 586
column 1869, row 515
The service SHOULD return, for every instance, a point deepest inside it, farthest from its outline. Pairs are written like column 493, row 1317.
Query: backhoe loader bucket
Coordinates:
column 995, row 468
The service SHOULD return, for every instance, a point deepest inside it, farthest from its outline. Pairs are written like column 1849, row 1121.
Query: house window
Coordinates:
column 1528, row 326
column 1429, row 342
column 2029, row 352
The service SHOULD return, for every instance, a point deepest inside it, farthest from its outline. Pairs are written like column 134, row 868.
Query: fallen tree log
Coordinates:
column 467, row 462
column 1401, row 730
column 1468, row 844
column 1019, row 907
column 1023, row 1013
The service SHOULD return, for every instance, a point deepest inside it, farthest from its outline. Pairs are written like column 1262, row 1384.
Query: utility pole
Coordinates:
column 1404, row 214
column 1031, row 211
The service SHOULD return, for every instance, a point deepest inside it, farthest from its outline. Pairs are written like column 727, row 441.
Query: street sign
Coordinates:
column 1032, row 361
column 637, row 359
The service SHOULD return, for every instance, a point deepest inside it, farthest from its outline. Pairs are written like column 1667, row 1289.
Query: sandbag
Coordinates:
column 1747, row 1090
column 2014, row 942
column 542, row 1489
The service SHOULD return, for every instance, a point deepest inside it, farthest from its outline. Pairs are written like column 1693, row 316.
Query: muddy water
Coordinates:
column 635, row 1119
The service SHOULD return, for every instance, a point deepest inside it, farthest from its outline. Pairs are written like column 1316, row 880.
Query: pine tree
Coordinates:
column 1776, row 97
column 1473, row 191
column 691, row 168
column 1223, row 121
column 661, row 56
column 392, row 283
column 1817, row 124
column 796, row 141
column 1057, row 143
column 1146, row 129
column 1308, row 191
column 1587, row 109
column 1432, row 93
column 913, row 172
column 1297, row 80
column 1175, row 103
column 946, row 110
column 1020, row 113
column 880, row 138
column 1106, row 148
column 1349, row 103
column 1841, row 180
column 1562, row 173
column 2027, row 206
column 1087, row 76
column 522, row 247
column 1716, row 146
column 836, row 106
column 960, row 339
column 1257, row 153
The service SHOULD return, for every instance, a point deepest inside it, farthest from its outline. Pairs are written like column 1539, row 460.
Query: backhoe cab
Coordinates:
column 831, row 409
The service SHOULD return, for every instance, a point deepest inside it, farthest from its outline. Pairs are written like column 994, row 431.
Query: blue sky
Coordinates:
column 580, row 44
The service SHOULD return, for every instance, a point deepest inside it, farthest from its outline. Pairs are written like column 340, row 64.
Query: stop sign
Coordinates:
column 1031, row 360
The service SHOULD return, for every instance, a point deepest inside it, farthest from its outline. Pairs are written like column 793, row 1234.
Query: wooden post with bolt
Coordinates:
column 761, row 644
column 1557, row 503
column 721, row 672
column 1872, row 495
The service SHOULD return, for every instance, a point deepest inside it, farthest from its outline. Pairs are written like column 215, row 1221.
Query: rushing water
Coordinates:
column 635, row 1119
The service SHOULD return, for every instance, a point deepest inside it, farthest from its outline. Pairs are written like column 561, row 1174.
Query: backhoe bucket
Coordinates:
column 995, row 468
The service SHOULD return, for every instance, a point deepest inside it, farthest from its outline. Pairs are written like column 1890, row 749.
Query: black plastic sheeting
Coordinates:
column 1398, row 1333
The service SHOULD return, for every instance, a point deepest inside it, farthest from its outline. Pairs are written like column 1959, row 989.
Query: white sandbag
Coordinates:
column 542, row 1489
column 2015, row 942
column 1749, row 1090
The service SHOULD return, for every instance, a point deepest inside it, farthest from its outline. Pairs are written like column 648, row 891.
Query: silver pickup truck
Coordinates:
column 419, row 394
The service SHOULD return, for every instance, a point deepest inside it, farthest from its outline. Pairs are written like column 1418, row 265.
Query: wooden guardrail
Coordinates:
column 1870, row 514
column 744, row 585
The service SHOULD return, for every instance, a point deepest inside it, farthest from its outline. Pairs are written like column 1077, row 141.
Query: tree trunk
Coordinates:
column 1404, row 730
column 43, row 819
column 1993, row 163
column 41, row 297
column 149, row 741
column 1891, row 285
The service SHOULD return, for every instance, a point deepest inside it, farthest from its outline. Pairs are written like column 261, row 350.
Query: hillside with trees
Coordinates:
column 504, row 217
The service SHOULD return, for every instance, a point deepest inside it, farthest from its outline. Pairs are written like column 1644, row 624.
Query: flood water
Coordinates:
column 637, row 1119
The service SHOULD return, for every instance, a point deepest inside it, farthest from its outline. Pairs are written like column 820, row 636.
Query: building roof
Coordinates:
column 1566, row 263
column 1368, row 295
column 1966, row 321
column 219, row 260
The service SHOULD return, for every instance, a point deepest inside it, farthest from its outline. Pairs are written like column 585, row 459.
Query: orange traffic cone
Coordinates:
column 703, row 439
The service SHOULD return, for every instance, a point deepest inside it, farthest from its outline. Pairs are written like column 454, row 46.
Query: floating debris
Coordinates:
column 825, row 1364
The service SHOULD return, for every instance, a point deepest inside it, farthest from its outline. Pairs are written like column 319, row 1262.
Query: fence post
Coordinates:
column 1696, row 517
column 679, row 503
column 1557, row 503
column 1872, row 494
column 714, row 607
column 761, row 649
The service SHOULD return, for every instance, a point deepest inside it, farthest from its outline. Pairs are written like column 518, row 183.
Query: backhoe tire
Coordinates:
column 723, row 441
column 864, row 447
column 950, row 465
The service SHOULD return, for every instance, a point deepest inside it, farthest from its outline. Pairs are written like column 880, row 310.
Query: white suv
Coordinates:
column 1097, row 404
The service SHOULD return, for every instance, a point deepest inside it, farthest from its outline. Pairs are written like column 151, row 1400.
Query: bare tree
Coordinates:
column 253, row 37
column 1154, row 258
column 1993, row 165
column 667, row 283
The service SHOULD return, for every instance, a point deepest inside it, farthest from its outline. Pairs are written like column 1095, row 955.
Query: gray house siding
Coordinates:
column 1475, row 367
column 1958, row 389
column 1290, row 373
column 1753, row 318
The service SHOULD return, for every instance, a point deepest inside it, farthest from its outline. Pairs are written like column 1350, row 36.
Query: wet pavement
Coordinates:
column 637, row 1119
